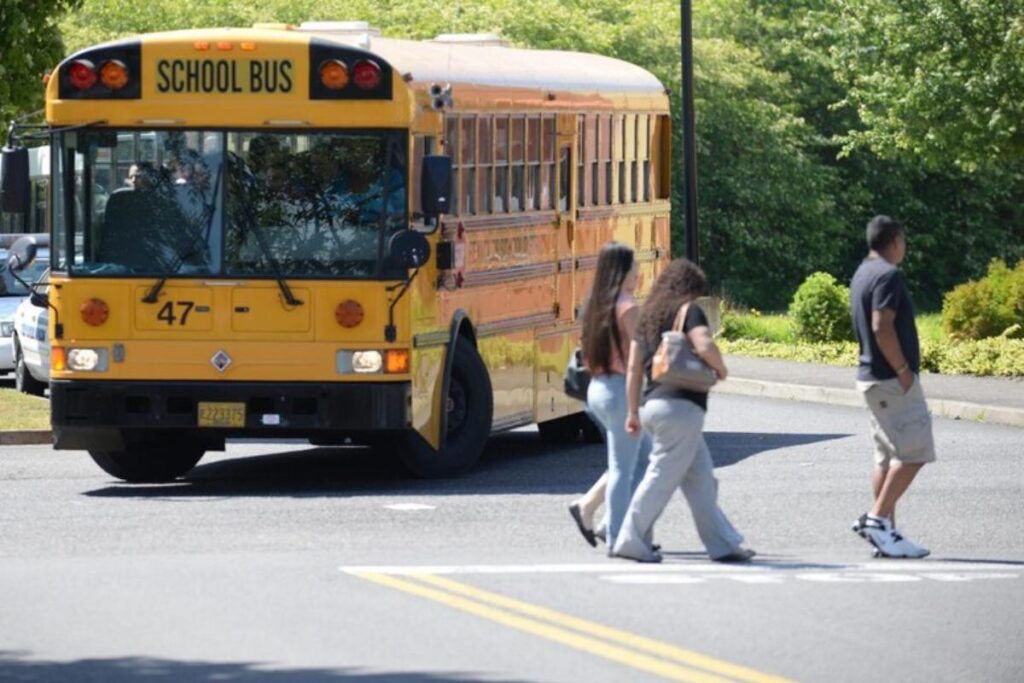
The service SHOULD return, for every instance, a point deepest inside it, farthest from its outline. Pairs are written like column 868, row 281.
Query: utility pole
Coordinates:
column 689, row 134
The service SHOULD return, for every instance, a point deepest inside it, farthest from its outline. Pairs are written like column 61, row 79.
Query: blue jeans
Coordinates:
column 627, row 455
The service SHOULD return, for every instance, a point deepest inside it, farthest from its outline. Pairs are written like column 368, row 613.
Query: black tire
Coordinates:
column 470, row 411
column 23, row 379
column 149, row 462
column 571, row 429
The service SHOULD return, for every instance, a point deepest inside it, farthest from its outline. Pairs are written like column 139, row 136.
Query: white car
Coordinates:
column 30, row 346
column 12, row 293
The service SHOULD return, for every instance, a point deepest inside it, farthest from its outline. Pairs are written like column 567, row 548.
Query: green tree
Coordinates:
column 31, row 46
column 940, row 79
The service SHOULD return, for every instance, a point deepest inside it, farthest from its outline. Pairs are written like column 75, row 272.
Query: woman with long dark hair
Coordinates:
column 608, row 323
column 674, row 418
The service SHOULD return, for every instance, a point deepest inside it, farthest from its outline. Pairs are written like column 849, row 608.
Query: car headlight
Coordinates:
column 7, row 328
column 87, row 360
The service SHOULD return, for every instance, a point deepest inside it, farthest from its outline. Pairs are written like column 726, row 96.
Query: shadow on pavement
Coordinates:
column 16, row 666
column 729, row 448
column 683, row 558
column 965, row 560
column 514, row 462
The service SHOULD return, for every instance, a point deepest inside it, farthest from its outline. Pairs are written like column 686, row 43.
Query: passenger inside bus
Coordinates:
column 143, row 228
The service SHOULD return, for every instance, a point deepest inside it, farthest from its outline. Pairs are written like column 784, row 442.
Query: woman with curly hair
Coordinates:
column 674, row 418
column 608, row 322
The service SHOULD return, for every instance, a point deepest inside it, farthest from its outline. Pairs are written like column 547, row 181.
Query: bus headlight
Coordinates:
column 366, row 362
column 7, row 328
column 87, row 360
column 372, row 362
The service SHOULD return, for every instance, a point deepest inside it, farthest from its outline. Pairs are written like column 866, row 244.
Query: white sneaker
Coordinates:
column 878, row 532
column 904, row 547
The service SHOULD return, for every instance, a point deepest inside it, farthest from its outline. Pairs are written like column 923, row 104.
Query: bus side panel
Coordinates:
column 427, row 379
column 509, row 358
column 552, row 352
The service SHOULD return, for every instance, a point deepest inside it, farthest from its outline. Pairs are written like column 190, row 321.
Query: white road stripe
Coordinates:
column 407, row 507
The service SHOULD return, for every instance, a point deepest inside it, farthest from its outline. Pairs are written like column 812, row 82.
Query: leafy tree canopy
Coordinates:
column 30, row 46
column 941, row 79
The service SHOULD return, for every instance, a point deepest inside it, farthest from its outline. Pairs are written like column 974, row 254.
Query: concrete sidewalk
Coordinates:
column 983, row 399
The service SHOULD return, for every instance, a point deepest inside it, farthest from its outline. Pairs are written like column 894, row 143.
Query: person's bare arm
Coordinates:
column 634, row 381
column 884, row 328
column 705, row 347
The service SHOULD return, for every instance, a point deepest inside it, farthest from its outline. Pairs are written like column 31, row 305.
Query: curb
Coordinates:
column 940, row 407
column 26, row 438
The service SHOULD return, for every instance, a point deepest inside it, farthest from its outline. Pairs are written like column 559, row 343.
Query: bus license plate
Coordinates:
column 221, row 414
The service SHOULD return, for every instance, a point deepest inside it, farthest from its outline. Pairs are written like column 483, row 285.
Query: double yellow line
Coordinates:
column 645, row 654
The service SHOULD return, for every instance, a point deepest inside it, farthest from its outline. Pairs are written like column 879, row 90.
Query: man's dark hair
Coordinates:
column 882, row 230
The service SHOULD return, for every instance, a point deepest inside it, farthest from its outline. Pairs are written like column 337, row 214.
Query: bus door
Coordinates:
column 554, row 346
column 565, row 206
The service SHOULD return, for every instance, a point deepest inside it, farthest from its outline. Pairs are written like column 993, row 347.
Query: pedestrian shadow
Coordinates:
column 729, row 448
column 514, row 462
column 18, row 666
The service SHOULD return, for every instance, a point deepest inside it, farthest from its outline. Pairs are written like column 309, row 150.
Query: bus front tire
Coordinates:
column 149, row 462
column 470, row 410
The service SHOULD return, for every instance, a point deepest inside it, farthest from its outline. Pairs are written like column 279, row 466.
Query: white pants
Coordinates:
column 679, row 459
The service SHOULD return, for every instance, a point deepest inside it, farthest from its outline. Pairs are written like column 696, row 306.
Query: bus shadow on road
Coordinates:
column 17, row 666
column 514, row 462
column 729, row 448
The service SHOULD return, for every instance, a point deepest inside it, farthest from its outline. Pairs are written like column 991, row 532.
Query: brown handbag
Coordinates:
column 675, row 362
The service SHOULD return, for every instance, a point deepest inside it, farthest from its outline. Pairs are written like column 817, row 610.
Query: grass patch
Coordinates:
column 19, row 411
column 773, row 327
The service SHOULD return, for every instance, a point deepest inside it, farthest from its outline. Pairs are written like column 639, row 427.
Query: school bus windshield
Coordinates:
column 233, row 204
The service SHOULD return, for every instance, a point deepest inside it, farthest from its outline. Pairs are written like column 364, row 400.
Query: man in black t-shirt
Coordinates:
column 887, row 377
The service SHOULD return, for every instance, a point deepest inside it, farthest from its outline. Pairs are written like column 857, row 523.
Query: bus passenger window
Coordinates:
column 517, row 191
column 467, row 159
column 485, row 160
column 500, row 164
column 604, row 146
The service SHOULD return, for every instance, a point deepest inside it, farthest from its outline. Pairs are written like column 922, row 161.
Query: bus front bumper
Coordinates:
column 107, row 414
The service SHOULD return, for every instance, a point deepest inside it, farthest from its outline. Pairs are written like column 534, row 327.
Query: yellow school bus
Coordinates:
column 319, row 232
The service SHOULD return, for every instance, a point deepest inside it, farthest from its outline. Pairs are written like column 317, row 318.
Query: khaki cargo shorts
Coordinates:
column 900, row 423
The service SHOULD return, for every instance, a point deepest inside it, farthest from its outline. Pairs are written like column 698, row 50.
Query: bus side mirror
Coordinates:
column 21, row 253
column 435, row 184
column 409, row 248
column 14, row 184
column 39, row 299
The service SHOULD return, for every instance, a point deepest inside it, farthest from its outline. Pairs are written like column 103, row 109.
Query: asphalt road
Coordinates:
column 282, row 562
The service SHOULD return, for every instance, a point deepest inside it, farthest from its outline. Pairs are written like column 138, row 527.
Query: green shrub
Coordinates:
column 997, row 356
column 985, row 308
column 821, row 309
column 829, row 353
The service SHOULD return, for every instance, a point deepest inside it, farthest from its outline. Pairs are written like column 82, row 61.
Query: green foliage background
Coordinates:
column 812, row 115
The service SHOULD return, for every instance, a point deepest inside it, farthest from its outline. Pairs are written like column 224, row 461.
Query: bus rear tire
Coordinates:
column 145, row 463
column 570, row 429
column 470, row 411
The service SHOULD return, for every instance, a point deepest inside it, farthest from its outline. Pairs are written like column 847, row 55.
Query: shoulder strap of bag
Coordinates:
column 680, row 321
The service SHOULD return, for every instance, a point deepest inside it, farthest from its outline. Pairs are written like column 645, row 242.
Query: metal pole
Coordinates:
column 689, row 134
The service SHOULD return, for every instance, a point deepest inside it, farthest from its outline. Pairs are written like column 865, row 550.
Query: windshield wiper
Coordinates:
column 257, row 231
column 196, row 242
